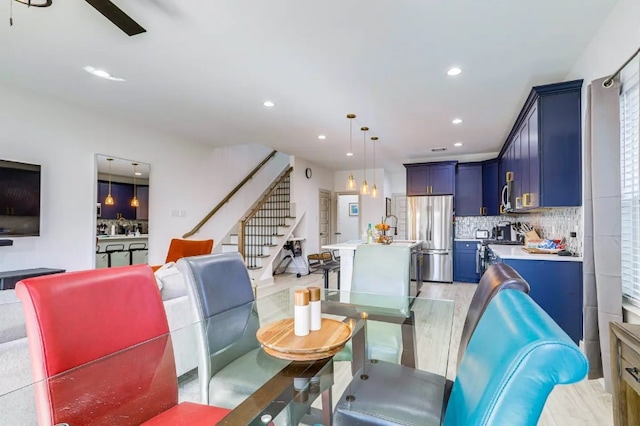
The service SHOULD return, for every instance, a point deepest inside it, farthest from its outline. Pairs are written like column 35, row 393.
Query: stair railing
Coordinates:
column 274, row 209
column 228, row 197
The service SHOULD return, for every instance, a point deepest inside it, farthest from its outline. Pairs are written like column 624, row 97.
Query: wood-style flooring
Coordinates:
column 583, row 403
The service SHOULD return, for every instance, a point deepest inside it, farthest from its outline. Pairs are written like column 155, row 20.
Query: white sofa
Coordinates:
column 15, row 363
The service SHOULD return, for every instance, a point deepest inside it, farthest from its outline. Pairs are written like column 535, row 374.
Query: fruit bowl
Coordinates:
column 385, row 239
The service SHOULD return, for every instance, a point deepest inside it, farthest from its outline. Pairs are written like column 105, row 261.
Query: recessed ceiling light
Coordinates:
column 349, row 154
column 456, row 120
column 101, row 74
column 138, row 174
column 322, row 137
column 268, row 104
column 454, row 71
column 457, row 144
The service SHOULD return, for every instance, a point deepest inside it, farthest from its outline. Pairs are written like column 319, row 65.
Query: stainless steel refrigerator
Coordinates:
column 430, row 219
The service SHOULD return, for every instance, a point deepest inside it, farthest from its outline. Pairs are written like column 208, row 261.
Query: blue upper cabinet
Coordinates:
column 468, row 199
column 490, row 188
column 431, row 178
column 543, row 150
column 122, row 194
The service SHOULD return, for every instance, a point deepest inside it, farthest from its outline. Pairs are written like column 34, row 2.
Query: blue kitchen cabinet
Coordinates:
column 490, row 188
column 557, row 287
column 468, row 199
column 122, row 194
column 431, row 178
column 465, row 262
column 417, row 179
column 544, row 148
column 443, row 178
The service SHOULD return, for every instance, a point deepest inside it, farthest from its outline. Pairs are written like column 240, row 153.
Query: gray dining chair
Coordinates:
column 231, row 364
column 382, row 278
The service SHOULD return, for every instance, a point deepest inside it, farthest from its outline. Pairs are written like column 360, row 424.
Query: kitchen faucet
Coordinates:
column 395, row 228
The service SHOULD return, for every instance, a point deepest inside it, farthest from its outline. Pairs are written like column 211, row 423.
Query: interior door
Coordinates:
column 324, row 216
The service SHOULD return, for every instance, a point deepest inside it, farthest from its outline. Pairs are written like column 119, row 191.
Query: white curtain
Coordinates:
column 602, row 290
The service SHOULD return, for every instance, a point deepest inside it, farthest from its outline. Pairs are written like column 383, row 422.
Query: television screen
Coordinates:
column 19, row 199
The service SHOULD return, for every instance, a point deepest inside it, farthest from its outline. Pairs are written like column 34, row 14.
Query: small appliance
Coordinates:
column 482, row 234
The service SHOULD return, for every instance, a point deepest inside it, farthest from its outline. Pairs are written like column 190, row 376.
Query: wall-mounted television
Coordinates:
column 19, row 199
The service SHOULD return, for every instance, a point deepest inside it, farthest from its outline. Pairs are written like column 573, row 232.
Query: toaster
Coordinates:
column 482, row 234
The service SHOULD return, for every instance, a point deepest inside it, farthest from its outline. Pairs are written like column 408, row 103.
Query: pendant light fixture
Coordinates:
column 109, row 201
column 364, row 189
column 134, row 201
column 374, row 190
column 351, row 182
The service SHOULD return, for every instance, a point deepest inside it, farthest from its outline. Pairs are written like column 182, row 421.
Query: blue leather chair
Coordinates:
column 515, row 357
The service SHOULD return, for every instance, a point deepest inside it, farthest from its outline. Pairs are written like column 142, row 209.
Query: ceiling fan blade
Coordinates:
column 117, row 16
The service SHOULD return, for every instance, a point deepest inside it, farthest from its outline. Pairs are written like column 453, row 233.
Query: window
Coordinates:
column 630, row 181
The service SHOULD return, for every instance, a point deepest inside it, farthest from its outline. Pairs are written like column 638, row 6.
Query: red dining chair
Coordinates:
column 101, row 353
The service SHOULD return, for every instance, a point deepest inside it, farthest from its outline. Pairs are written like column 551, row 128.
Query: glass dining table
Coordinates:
column 417, row 331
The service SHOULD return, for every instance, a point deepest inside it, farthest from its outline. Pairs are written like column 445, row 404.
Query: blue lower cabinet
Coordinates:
column 557, row 287
column 464, row 262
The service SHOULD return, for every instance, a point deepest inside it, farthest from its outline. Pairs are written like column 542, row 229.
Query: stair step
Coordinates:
column 253, row 268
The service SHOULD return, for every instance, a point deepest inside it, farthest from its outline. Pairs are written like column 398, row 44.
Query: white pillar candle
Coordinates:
column 315, row 309
column 301, row 312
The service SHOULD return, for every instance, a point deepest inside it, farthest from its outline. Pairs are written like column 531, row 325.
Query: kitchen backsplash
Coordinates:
column 555, row 223
column 123, row 226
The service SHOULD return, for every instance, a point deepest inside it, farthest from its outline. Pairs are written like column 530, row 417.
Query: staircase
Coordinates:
column 262, row 233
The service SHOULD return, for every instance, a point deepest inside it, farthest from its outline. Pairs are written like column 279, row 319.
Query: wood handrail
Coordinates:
column 228, row 197
column 258, row 207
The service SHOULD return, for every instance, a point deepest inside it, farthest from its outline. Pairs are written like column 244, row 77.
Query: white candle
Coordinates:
column 315, row 309
column 301, row 313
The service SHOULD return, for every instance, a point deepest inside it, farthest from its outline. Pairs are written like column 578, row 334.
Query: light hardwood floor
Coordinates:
column 583, row 403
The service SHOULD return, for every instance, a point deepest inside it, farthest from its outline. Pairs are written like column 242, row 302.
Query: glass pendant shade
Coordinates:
column 134, row 200
column 374, row 190
column 351, row 182
column 364, row 189
column 109, row 201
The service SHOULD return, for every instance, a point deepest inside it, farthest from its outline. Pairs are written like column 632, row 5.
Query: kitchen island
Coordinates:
column 121, row 249
column 347, row 252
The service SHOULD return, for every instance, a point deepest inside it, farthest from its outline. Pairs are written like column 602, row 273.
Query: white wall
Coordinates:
column 306, row 195
column 348, row 225
column 64, row 140
column 398, row 182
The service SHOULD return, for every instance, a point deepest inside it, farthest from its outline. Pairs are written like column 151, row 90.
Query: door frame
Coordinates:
column 334, row 214
column 330, row 193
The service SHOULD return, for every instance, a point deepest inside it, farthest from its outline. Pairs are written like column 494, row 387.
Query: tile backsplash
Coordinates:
column 554, row 223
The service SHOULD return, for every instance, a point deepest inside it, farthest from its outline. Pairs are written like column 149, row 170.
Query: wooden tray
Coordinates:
column 278, row 340
column 532, row 250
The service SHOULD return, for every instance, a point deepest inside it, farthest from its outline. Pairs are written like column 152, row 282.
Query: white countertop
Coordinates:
column 516, row 252
column 122, row 237
column 477, row 240
column 352, row 245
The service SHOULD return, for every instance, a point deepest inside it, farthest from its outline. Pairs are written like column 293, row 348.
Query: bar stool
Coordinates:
column 324, row 262
column 102, row 258
column 118, row 256
column 138, row 253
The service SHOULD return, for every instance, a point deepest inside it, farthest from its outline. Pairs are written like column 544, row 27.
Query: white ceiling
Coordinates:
column 203, row 68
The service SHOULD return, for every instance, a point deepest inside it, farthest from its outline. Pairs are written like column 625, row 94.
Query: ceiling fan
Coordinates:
column 106, row 7
column 117, row 16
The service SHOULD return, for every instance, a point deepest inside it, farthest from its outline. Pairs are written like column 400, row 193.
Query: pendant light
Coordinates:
column 374, row 190
column 364, row 189
column 109, row 201
column 351, row 182
column 134, row 201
